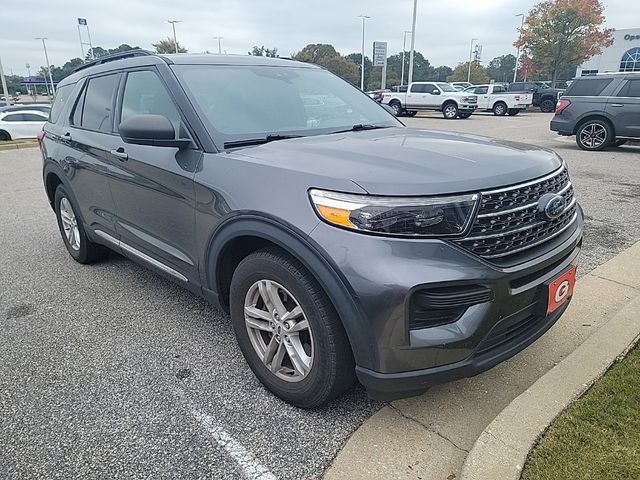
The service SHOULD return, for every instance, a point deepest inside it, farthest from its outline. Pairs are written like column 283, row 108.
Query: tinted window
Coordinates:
column 587, row 87
column 498, row 89
column 12, row 117
column 481, row 90
column 144, row 93
column 96, row 113
column 33, row 117
column 631, row 89
column 418, row 88
column 62, row 95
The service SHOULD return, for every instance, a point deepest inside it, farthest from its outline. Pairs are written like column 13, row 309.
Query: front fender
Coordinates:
column 307, row 252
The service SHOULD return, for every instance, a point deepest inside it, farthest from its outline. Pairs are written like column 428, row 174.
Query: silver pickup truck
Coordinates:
column 438, row 96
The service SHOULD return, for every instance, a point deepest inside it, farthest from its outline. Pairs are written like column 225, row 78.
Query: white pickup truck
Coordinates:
column 438, row 96
column 494, row 97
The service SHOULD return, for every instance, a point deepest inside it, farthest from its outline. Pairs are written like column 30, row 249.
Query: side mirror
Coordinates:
column 435, row 92
column 147, row 129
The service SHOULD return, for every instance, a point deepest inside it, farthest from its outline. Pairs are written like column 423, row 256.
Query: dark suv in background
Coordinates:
column 601, row 111
column 342, row 243
column 544, row 96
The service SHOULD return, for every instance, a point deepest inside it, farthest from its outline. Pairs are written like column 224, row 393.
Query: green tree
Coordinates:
column 14, row 84
column 326, row 56
column 263, row 51
column 478, row 73
column 356, row 58
column 101, row 52
column 167, row 45
column 557, row 33
column 501, row 68
column 442, row 73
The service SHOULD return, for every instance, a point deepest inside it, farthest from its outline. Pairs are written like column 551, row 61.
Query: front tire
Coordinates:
column 464, row 115
column 74, row 236
column 594, row 135
column 548, row 106
column 450, row 111
column 500, row 109
column 288, row 330
column 513, row 112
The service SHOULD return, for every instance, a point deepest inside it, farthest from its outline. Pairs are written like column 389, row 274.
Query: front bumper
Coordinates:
column 468, row 107
column 384, row 273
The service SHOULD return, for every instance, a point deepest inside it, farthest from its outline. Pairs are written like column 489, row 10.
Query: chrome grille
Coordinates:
column 508, row 220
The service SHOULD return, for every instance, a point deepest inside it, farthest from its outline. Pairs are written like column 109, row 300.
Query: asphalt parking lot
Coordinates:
column 111, row 371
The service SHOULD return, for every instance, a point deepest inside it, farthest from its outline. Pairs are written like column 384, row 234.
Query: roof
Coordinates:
column 134, row 58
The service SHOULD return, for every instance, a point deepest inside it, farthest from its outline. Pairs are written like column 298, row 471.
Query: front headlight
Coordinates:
column 415, row 216
column 469, row 99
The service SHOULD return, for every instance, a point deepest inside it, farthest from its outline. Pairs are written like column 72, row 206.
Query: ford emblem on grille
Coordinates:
column 551, row 205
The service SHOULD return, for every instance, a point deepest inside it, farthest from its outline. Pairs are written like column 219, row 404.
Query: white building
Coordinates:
column 622, row 56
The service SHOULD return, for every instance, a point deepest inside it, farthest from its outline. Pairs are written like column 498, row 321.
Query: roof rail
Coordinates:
column 138, row 52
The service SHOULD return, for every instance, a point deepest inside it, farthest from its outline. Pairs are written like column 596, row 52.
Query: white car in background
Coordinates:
column 494, row 97
column 21, row 124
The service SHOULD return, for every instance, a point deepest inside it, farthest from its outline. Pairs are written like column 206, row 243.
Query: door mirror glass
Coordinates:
column 149, row 129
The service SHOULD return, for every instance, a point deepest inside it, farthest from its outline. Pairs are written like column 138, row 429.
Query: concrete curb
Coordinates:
column 18, row 146
column 502, row 448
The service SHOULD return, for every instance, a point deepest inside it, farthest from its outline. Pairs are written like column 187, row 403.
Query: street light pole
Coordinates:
column 404, row 49
column 470, row 55
column 515, row 70
column 46, row 57
column 219, row 44
column 413, row 41
column 175, row 39
column 3, row 81
column 364, row 18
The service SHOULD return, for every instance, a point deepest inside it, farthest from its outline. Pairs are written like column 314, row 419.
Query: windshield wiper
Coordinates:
column 258, row 141
column 358, row 127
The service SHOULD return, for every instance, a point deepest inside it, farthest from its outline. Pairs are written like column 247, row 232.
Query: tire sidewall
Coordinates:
column 81, row 254
column 604, row 144
column 4, row 136
column 397, row 108
column 547, row 105
column 253, row 269
column 447, row 106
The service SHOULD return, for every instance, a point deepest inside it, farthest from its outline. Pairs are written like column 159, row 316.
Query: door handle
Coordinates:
column 617, row 105
column 120, row 154
column 67, row 137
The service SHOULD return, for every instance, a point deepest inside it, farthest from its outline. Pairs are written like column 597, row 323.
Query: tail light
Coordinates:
column 561, row 105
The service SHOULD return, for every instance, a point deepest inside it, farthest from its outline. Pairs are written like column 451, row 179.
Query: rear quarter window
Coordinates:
column 587, row 87
column 62, row 95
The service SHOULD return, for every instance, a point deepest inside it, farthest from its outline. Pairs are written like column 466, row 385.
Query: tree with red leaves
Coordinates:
column 561, row 32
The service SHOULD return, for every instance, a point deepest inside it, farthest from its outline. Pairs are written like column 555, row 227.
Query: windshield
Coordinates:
column 445, row 87
column 250, row 102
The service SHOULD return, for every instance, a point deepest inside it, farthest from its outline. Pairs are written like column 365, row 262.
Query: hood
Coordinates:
column 404, row 161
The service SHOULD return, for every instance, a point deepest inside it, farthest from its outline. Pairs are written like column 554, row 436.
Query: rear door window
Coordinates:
column 97, row 105
column 587, row 87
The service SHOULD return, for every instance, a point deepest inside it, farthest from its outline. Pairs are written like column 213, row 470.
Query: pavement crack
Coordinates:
column 427, row 427
column 614, row 281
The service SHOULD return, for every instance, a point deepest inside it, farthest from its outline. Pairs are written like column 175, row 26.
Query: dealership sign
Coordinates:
column 379, row 54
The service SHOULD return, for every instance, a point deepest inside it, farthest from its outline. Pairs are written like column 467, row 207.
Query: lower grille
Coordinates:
column 509, row 221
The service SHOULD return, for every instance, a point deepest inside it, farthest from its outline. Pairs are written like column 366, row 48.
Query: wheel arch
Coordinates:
column 592, row 116
column 247, row 232
column 3, row 131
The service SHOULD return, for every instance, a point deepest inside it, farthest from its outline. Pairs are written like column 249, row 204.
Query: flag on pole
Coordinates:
column 82, row 21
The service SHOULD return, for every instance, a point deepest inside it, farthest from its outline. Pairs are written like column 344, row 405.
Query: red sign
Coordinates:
column 561, row 290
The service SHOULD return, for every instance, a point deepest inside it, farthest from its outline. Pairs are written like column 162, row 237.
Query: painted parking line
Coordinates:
column 251, row 468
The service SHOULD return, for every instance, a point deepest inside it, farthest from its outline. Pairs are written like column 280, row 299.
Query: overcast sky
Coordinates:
column 443, row 32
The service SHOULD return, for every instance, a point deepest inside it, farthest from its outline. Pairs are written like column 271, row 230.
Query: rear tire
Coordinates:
column 548, row 106
column 328, row 367
column 450, row 111
column 500, row 109
column 74, row 236
column 397, row 108
column 4, row 136
column 513, row 112
column 594, row 135
column 411, row 113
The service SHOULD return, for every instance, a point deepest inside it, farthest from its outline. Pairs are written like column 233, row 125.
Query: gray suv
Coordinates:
column 602, row 111
column 343, row 244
